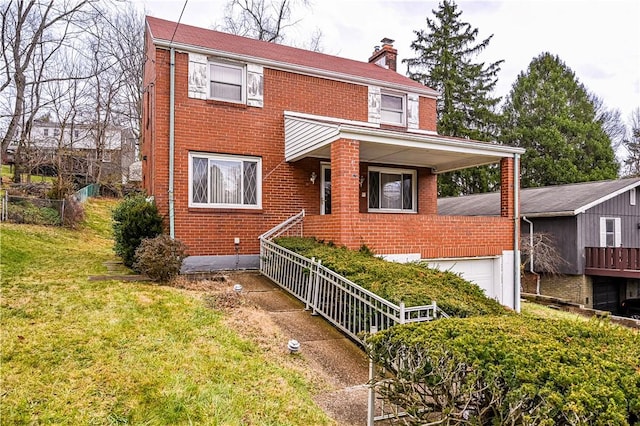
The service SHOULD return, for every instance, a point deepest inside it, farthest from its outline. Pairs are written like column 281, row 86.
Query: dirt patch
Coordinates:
column 264, row 314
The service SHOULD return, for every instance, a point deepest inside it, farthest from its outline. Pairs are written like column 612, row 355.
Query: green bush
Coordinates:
column 27, row 212
column 134, row 219
column 411, row 283
column 511, row 370
column 160, row 258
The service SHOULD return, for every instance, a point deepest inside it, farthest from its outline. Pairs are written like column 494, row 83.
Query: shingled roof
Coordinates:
column 559, row 200
column 187, row 37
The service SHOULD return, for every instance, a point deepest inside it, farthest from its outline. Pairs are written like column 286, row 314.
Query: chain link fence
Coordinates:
column 42, row 211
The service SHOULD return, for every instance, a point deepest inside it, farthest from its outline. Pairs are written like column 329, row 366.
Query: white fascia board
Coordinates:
column 605, row 198
column 299, row 69
column 427, row 142
column 565, row 213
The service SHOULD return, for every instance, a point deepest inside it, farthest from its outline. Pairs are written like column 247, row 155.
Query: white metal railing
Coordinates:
column 348, row 306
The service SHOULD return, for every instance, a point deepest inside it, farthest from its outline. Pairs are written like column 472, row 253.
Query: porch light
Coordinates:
column 361, row 181
column 293, row 346
column 313, row 177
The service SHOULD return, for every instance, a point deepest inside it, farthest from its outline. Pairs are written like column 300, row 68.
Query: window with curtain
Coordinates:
column 224, row 181
column 392, row 109
column 227, row 82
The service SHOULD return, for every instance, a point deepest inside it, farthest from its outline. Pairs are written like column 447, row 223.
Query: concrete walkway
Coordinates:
column 323, row 346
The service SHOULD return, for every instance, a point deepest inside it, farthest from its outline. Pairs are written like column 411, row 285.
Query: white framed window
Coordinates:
column 392, row 190
column 227, row 82
column 225, row 181
column 610, row 232
column 632, row 196
column 393, row 108
column 46, row 132
column 106, row 156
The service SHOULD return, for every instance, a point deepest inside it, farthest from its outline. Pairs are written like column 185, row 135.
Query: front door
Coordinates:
column 325, row 189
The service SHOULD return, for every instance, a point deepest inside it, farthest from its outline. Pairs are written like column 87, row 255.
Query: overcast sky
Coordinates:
column 598, row 39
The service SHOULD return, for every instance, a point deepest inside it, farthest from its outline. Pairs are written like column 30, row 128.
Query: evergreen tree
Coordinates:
column 466, row 109
column 550, row 113
column 632, row 144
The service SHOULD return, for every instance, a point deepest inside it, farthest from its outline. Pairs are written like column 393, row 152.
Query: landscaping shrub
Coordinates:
column 160, row 258
column 510, row 370
column 134, row 219
column 411, row 283
column 27, row 212
column 73, row 212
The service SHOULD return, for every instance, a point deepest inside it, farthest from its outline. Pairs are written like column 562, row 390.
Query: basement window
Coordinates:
column 224, row 181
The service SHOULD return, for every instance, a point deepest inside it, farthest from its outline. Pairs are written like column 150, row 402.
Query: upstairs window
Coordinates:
column 46, row 132
column 392, row 190
column 632, row 196
column 226, row 82
column 610, row 235
column 224, row 181
column 393, row 109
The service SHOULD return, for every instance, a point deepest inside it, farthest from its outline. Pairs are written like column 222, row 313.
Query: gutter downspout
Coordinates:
column 172, row 113
column 516, row 232
column 531, row 255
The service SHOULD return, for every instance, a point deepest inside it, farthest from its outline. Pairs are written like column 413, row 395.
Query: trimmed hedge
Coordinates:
column 512, row 370
column 412, row 283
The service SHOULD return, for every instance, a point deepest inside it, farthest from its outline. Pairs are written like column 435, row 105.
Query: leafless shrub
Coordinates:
column 546, row 257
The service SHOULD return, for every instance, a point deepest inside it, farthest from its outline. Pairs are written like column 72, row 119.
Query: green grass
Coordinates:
column 75, row 351
column 7, row 173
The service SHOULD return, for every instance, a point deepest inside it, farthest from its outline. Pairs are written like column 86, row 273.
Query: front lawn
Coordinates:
column 108, row 352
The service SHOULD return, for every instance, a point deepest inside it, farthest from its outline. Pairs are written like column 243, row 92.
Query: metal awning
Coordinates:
column 311, row 136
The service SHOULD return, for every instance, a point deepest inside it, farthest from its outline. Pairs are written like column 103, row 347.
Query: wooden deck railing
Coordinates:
column 612, row 261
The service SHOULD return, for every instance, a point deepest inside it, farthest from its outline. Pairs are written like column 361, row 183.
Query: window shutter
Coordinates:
column 197, row 76
column 413, row 121
column 618, row 232
column 255, row 85
column 603, row 232
column 375, row 101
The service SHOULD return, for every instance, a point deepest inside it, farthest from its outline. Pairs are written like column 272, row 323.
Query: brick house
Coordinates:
column 240, row 134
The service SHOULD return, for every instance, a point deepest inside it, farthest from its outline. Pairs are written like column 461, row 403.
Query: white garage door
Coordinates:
column 484, row 271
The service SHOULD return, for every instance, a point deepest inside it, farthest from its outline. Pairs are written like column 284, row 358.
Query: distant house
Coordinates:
column 82, row 151
column 596, row 226
column 240, row 135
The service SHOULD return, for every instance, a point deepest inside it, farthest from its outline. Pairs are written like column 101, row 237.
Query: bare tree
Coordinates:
column 632, row 145
column 29, row 27
column 267, row 20
column 542, row 255
column 610, row 120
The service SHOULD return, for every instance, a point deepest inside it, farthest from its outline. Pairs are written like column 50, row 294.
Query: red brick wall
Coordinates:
column 427, row 114
column 507, row 203
column 433, row 236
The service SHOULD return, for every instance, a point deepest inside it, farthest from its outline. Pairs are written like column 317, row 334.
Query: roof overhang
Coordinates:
column 311, row 136
column 300, row 69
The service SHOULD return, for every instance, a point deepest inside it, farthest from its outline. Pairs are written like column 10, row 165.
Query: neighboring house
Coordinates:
column 241, row 134
column 596, row 228
column 80, row 150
